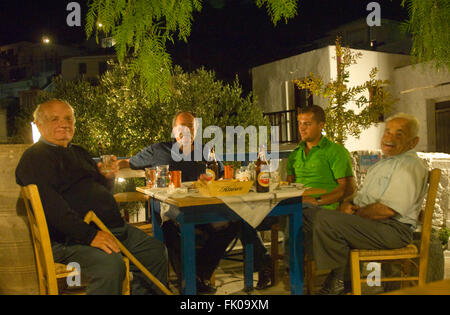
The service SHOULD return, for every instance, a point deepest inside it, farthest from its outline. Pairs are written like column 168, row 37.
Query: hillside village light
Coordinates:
column 46, row 40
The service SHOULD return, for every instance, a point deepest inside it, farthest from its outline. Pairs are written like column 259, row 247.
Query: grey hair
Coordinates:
column 413, row 122
column 38, row 114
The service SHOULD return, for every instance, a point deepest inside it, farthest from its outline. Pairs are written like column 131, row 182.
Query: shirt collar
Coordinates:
column 52, row 144
column 322, row 143
column 412, row 151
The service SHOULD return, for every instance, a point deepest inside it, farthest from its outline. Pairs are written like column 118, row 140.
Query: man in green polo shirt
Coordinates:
column 318, row 162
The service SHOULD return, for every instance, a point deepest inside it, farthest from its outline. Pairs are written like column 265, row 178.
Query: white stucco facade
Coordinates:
column 416, row 88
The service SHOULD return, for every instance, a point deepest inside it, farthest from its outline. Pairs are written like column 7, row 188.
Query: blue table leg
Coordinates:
column 296, row 251
column 156, row 220
column 248, row 256
column 188, row 272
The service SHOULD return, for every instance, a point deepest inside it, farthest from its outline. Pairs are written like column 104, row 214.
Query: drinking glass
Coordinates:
column 150, row 177
column 175, row 178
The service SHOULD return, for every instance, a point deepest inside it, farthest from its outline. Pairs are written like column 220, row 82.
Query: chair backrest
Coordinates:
column 426, row 220
column 41, row 240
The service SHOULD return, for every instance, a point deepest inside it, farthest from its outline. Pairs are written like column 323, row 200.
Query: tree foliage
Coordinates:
column 341, row 121
column 429, row 26
column 279, row 9
column 141, row 29
column 115, row 117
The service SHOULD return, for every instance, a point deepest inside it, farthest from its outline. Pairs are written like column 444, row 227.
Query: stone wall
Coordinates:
column 17, row 262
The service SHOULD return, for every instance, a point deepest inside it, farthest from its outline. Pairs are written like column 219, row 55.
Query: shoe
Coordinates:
column 333, row 286
column 264, row 278
column 205, row 287
column 265, row 274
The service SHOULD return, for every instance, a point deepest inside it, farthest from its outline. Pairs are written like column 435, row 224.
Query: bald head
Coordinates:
column 183, row 128
column 40, row 111
column 56, row 121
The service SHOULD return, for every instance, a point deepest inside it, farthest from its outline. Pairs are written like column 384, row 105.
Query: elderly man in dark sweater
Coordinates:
column 71, row 184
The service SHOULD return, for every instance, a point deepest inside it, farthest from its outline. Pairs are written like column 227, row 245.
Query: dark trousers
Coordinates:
column 211, row 245
column 330, row 235
column 105, row 272
column 261, row 259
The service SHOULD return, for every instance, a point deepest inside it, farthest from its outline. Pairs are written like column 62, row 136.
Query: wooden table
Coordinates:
column 203, row 210
column 433, row 288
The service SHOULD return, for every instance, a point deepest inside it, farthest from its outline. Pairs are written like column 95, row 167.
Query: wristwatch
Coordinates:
column 319, row 200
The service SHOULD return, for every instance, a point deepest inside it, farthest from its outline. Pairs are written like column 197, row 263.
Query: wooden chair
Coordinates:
column 48, row 271
column 406, row 253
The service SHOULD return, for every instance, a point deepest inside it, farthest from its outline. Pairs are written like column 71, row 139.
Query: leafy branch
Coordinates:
column 142, row 28
column 429, row 26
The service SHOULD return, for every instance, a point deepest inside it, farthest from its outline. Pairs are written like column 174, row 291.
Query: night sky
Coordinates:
column 228, row 36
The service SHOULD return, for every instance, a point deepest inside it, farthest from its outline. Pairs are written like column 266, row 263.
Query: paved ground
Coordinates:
column 230, row 280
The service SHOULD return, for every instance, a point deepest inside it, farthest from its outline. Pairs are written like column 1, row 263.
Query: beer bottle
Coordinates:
column 262, row 172
column 212, row 167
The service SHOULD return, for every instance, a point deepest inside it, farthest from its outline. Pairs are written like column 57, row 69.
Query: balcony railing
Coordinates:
column 287, row 122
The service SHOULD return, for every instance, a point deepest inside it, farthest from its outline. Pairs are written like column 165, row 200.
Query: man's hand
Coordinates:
column 105, row 242
column 203, row 178
column 311, row 200
column 348, row 207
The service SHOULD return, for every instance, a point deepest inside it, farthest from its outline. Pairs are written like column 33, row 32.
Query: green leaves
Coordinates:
column 429, row 25
column 121, row 117
column 141, row 29
column 279, row 9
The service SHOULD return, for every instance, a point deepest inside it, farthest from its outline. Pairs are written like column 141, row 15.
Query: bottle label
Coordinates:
column 210, row 175
column 264, row 179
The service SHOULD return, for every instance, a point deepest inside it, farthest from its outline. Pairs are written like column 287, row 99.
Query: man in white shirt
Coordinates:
column 383, row 214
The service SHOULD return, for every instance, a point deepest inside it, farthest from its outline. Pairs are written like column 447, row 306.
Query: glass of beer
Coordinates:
column 150, row 177
column 228, row 172
column 175, row 178
column 107, row 161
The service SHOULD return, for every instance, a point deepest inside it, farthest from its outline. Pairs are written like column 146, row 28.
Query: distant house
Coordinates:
column 421, row 90
column 89, row 67
column 26, row 66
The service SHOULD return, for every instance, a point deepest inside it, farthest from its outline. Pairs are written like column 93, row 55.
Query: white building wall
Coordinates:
column 419, row 88
column 269, row 80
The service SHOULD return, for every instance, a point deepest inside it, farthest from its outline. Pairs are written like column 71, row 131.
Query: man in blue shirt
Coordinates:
column 179, row 155
column 384, row 213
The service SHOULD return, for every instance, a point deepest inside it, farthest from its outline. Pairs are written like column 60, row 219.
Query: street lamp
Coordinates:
column 45, row 39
